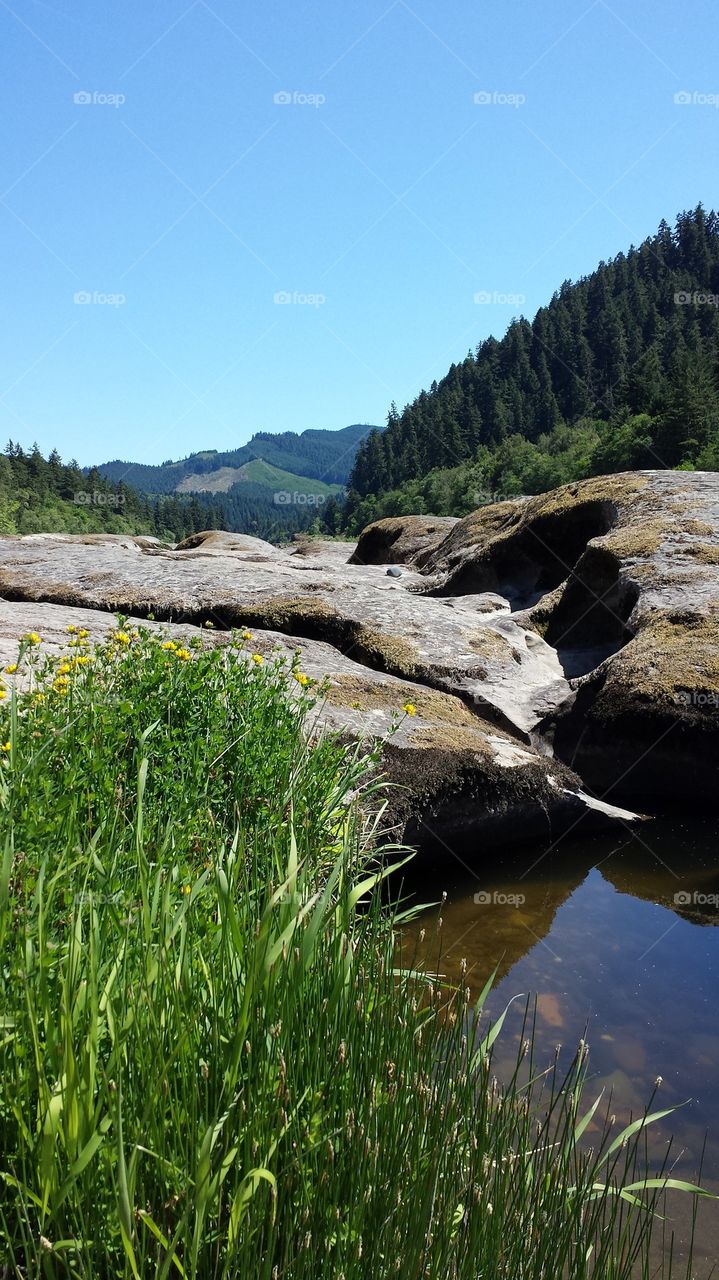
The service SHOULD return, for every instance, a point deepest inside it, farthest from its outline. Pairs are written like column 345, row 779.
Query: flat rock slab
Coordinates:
column 497, row 665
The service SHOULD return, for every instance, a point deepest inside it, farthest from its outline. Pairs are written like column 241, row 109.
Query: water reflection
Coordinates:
column 611, row 934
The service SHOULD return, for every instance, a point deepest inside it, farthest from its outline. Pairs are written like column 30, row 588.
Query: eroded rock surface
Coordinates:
column 494, row 663
column 583, row 620
column 620, row 576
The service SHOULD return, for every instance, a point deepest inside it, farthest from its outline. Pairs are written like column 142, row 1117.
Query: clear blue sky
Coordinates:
column 382, row 188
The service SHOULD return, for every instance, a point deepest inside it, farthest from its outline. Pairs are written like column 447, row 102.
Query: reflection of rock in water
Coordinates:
column 682, row 880
column 486, row 924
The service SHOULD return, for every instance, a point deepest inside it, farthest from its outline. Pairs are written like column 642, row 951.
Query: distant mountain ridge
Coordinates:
column 324, row 456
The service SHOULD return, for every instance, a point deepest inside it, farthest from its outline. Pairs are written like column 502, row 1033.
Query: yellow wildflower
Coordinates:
column 246, row 635
column 83, row 633
column 121, row 637
column 257, row 657
column 61, row 685
column 409, row 709
column 183, row 654
column 301, row 678
column 169, row 645
column 3, row 694
column 64, row 668
column 7, row 746
column 39, row 697
column 83, row 660
column 72, row 629
column 11, row 669
column 187, row 889
column 32, row 637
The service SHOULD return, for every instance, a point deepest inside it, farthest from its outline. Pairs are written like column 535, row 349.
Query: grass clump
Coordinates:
column 209, row 1065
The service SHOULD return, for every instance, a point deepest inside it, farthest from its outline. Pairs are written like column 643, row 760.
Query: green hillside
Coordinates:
column 619, row 371
column 257, row 472
column 321, row 455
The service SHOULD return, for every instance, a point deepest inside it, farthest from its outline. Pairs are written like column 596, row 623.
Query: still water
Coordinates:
column 617, row 938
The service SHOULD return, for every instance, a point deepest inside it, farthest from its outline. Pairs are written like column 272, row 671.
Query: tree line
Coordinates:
column 45, row 495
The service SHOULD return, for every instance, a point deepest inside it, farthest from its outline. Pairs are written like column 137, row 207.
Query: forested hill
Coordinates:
column 323, row 455
column 621, row 369
column 46, row 495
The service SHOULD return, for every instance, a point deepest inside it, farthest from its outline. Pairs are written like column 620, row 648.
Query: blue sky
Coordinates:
column 147, row 233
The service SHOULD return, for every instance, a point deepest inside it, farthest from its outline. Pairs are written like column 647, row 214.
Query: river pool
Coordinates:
column 616, row 936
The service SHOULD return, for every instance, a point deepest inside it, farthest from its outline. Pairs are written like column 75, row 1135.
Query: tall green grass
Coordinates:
column 209, row 1063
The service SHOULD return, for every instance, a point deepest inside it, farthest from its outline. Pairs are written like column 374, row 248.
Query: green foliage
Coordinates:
column 44, row 496
column 632, row 351
column 209, row 1065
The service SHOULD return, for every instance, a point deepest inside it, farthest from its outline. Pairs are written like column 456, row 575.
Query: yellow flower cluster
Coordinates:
column 31, row 638
column 409, row 709
column 301, row 678
column 258, row 659
column 176, row 650
column 11, row 669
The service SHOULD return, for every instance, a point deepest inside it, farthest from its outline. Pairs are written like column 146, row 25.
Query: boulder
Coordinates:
column 402, row 539
column 620, row 576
